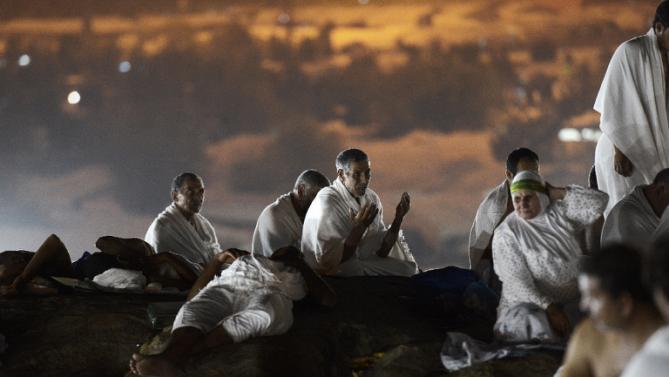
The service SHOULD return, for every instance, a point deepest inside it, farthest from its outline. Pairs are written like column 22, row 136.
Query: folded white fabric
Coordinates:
column 121, row 279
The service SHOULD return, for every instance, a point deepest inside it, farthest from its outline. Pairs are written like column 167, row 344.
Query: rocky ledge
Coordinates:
column 380, row 327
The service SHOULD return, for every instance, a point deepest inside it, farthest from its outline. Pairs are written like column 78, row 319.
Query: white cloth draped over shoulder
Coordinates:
column 278, row 226
column 632, row 221
column 662, row 230
column 171, row 232
column 488, row 216
column 653, row 359
column 633, row 107
column 327, row 225
column 537, row 259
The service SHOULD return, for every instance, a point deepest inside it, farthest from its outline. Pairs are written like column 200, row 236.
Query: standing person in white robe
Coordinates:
column 536, row 251
column 635, row 218
column 343, row 231
column 280, row 223
column 492, row 211
column 180, row 229
column 653, row 359
column 632, row 102
column 250, row 298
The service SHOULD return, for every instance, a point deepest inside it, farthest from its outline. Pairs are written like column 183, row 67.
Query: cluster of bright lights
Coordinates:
column 579, row 135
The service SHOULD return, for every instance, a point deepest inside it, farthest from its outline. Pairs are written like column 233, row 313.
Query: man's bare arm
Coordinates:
column 213, row 268
column 577, row 359
column 393, row 232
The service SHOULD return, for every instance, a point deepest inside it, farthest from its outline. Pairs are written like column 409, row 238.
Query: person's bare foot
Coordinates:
column 153, row 366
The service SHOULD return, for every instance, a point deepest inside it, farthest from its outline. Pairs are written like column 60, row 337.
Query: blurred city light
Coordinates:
column 73, row 98
column 124, row 67
column 283, row 18
column 24, row 60
column 363, row 2
column 579, row 135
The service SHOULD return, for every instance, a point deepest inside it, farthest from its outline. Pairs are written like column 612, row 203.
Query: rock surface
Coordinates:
column 379, row 328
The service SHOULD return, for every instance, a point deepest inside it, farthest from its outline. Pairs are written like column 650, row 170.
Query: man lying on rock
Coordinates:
column 18, row 268
column 252, row 297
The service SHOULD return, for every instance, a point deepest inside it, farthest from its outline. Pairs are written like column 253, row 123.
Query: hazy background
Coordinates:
column 250, row 93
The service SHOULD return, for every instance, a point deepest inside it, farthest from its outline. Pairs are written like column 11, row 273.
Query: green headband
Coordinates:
column 527, row 184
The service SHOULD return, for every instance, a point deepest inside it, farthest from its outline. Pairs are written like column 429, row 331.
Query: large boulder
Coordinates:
column 380, row 327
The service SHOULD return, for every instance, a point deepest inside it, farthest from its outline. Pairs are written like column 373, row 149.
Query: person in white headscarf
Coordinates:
column 280, row 223
column 635, row 219
column 491, row 212
column 536, row 251
column 180, row 229
column 343, row 231
column 632, row 102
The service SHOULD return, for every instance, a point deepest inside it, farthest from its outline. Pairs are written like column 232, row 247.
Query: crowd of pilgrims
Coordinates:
column 585, row 267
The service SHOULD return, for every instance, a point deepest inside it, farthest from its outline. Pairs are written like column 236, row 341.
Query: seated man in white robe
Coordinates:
column 280, row 223
column 632, row 101
column 252, row 297
column 536, row 252
column 635, row 218
column 180, row 229
column 343, row 231
column 492, row 211
column 653, row 358
column 621, row 314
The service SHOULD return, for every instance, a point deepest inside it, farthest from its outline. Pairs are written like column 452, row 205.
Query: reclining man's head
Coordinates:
column 611, row 287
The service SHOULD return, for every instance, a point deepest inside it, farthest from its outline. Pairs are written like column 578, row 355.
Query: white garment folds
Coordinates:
column 633, row 107
column 278, row 226
column 488, row 216
column 327, row 225
column 252, row 297
column 653, row 359
column 171, row 232
column 632, row 221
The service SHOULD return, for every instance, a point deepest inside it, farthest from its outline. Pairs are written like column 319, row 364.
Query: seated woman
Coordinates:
column 18, row 268
column 536, row 251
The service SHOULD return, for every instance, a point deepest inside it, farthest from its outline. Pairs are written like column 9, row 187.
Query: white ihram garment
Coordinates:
column 327, row 225
column 633, row 107
column 278, row 226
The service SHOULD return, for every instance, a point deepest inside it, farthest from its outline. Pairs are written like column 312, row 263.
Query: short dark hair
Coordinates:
column 619, row 270
column 662, row 177
column 517, row 155
column 662, row 14
column 344, row 158
column 179, row 180
column 312, row 178
column 657, row 266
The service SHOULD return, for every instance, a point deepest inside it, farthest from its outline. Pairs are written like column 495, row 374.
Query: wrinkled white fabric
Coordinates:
column 327, row 225
column 252, row 297
column 171, row 232
column 662, row 230
column 537, row 259
column 633, row 107
column 632, row 221
column 488, row 217
column 653, row 359
column 278, row 226
column 121, row 279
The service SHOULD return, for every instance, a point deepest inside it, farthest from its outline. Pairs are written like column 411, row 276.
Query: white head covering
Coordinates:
column 528, row 180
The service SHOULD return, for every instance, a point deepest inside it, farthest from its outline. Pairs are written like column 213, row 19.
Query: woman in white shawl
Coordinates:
column 536, row 251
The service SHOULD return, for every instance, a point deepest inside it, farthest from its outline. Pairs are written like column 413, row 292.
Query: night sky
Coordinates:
column 101, row 106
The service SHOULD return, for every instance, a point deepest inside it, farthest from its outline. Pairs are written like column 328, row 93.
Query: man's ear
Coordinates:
column 174, row 194
column 509, row 175
column 340, row 173
column 659, row 28
column 300, row 190
column 626, row 304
